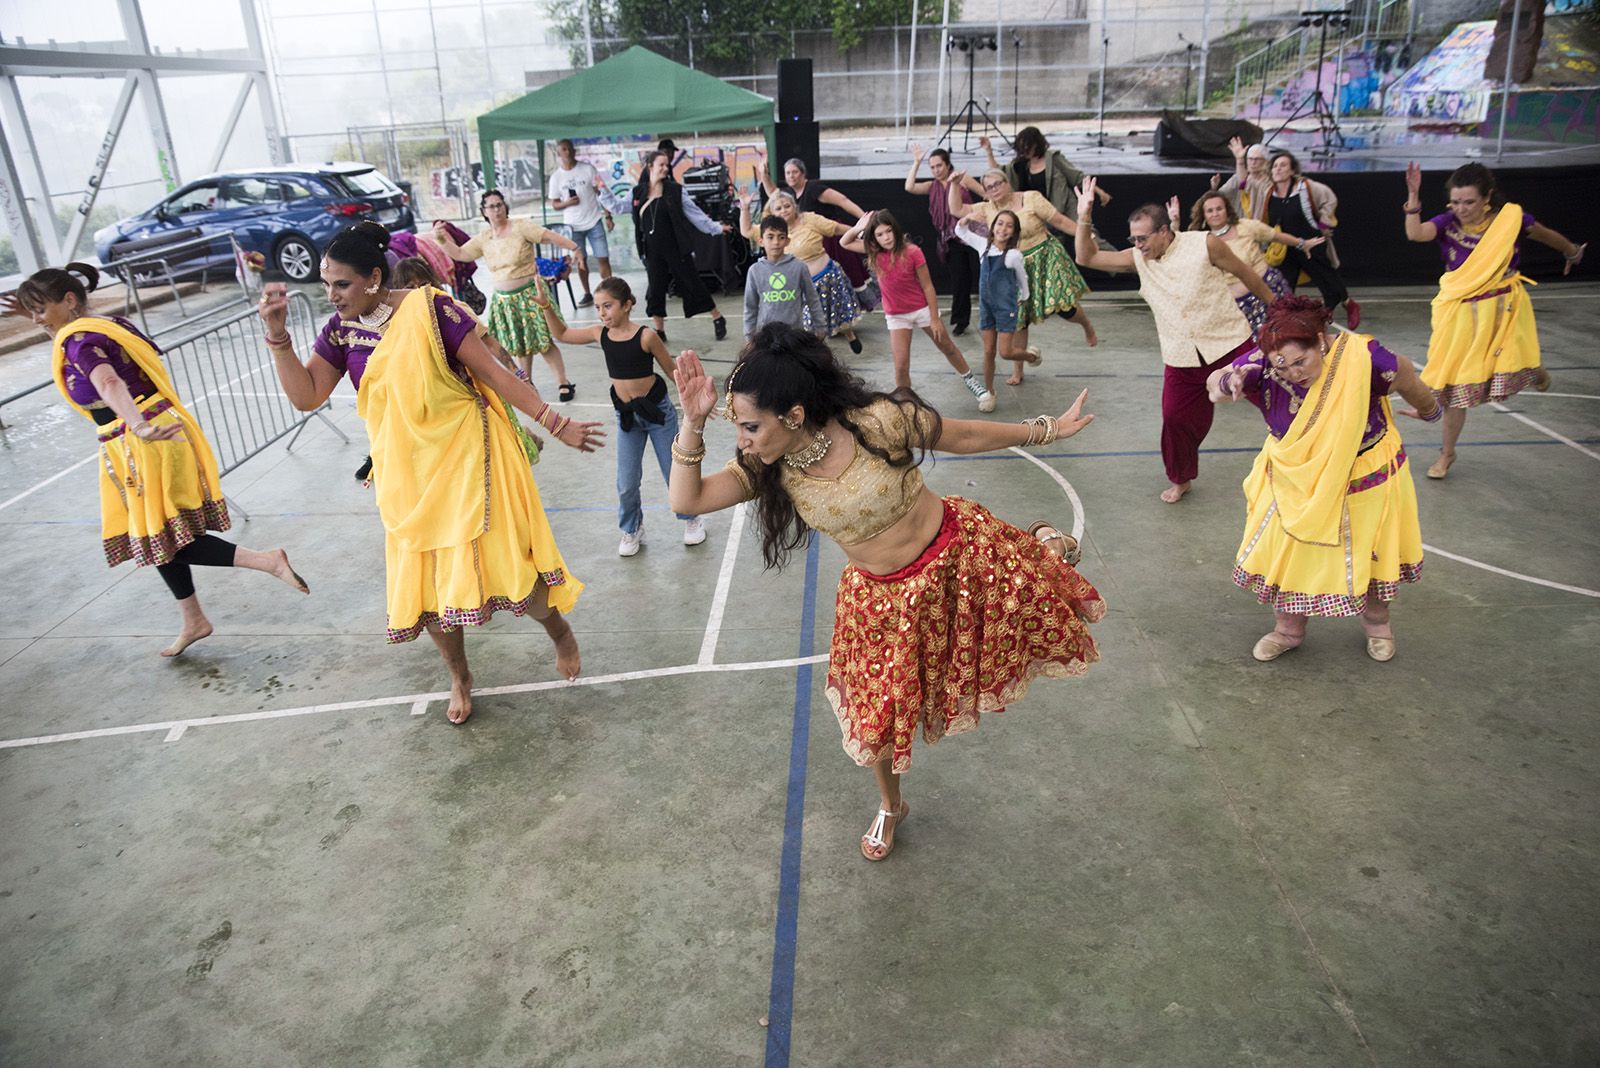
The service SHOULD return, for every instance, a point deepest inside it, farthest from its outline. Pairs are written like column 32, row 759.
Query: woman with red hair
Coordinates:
column 1332, row 527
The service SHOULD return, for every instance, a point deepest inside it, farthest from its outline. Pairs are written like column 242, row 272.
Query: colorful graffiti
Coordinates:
column 1560, row 116
column 1448, row 85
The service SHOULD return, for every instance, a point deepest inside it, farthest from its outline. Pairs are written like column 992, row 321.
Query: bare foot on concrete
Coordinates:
column 1174, row 493
column 192, row 632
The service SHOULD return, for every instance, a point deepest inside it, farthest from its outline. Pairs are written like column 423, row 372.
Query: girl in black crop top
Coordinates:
column 645, row 414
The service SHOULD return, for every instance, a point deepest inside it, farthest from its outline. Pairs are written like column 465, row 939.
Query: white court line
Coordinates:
column 1574, row 396
column 1497, row 406
column 1072, row 494
column 719, row 600
column 175, row 728
column 91, row 458
column 1510, row 574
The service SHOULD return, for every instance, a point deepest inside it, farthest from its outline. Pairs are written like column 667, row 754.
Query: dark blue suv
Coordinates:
column 287, row 214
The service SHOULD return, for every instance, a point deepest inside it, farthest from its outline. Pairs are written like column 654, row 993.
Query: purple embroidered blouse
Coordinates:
column 346, row 345
column 1455, row 244
column 86, row 350
column 1280, row 401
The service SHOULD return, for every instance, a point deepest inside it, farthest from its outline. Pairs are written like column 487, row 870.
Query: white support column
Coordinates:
column 44, row 232
column 266, row 99
column 155, row 110
column 119, row 115
column 231, row 123
column 944, row 59
column 1205, row 57
column 31, row 256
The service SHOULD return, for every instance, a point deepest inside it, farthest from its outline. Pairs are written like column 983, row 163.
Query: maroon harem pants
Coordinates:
column 1186, row 413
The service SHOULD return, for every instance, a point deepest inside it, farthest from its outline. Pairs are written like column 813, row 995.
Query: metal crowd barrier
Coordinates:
column 164, row 260
column 225, row 375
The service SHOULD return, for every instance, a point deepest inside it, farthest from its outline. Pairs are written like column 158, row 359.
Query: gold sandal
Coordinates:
column 1071, row 551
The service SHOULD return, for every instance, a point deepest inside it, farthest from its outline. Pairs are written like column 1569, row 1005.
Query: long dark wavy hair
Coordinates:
column 783, row 366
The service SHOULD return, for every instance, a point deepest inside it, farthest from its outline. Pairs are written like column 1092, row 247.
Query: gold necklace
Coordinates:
column 812, row 454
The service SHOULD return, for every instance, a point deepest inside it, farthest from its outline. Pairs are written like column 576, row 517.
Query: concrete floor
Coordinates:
column 1184, row 858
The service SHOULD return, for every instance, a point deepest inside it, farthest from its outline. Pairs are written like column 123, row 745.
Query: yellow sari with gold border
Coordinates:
column 466, row 533
column 1484, row 345
column 155, row 496
column 1328, row 524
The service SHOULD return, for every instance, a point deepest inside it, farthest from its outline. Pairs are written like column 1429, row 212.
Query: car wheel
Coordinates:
column 296, row 259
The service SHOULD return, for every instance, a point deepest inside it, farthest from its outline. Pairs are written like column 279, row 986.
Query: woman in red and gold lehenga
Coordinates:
column 944, row 611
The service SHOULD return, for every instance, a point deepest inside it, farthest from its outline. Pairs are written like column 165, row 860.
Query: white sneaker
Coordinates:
column 979, row 390
column 631, row 542
column 694, row 531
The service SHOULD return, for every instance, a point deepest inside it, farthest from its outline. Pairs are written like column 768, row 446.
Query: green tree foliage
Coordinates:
column 743, row 31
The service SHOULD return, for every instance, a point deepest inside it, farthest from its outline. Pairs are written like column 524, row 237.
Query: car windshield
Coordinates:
column 366, row 183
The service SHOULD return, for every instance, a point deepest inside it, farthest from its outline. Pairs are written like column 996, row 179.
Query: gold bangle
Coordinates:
column 686, row 457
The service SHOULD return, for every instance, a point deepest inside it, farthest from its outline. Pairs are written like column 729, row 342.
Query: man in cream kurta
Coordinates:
column 1181, row 277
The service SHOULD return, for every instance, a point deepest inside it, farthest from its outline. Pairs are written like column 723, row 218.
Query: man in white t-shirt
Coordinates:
column 572, row 190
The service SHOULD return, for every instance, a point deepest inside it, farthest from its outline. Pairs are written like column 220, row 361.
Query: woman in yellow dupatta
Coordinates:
column 159, row 486
column 466, row 533
column 1484, row 345
column 1332, row 513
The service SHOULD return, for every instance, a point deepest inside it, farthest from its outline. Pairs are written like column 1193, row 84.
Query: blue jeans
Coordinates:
column 630, row 464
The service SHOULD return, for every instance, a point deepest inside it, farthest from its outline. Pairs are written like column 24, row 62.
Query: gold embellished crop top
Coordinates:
column 870, row 496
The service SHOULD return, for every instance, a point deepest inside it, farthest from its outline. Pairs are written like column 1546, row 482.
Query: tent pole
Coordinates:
column 544, row 201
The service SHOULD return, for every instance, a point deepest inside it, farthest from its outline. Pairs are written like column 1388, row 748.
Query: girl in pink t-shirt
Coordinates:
column 908, row 298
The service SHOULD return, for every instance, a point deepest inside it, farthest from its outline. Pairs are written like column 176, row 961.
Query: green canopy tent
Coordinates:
column 627, row 94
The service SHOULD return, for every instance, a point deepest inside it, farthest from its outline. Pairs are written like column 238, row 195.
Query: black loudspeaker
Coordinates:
column 1181, row 138
column 801, row 141
column 794, row 91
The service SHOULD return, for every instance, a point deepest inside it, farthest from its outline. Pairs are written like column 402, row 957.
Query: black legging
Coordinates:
column 207, row 550
column 1322, row 271
column 963, row 262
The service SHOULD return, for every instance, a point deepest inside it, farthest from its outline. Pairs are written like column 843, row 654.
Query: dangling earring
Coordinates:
column 788, row 424
column 372, row 291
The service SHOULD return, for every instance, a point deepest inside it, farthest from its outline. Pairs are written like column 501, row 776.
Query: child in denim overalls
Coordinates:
column 1002, row 287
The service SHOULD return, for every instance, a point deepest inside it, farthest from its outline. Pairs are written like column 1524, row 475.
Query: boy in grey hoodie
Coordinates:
column 778, row 287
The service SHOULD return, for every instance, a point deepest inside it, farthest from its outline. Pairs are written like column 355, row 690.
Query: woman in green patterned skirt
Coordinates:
column 1054, row 284
column 510, row 248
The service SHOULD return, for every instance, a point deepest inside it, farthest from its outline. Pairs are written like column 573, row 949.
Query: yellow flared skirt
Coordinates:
column 508, row 567
column 1380, row 540
column 156, row 496
column 1484, row 350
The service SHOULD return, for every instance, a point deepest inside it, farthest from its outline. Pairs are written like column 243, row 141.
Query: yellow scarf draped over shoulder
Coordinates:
column 429, row 429
column 1487, row 267
column 1308, row 469
column 144, row 354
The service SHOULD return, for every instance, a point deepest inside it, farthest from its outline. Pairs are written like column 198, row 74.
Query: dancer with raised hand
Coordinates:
column 160, row 490
column 1214, row 213
column 1002, row 289
column 1197, row 322
column 944, row 611
column 1331, row 527
column 811, row 197
column 645, row 415
column 1054, row 284
column 664, row 221
column 908, row 299
column 1306, row 209
column 510, row 248
column 949, row 248
column 840, row 309
column 465, row 534
column 1484, row 346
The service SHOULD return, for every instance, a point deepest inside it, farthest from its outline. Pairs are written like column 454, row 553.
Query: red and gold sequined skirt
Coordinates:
column 961, row 631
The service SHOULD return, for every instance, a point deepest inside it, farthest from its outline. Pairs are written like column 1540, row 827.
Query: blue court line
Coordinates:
column 780, row 1008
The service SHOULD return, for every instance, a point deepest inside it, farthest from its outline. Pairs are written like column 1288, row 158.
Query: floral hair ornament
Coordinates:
column 727, row 406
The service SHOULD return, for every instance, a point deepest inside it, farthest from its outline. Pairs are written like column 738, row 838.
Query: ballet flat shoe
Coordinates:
column 1381, row 649
column 1269, row 648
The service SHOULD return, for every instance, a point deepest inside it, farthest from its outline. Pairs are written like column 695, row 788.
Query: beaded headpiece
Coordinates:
column 727, row 406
